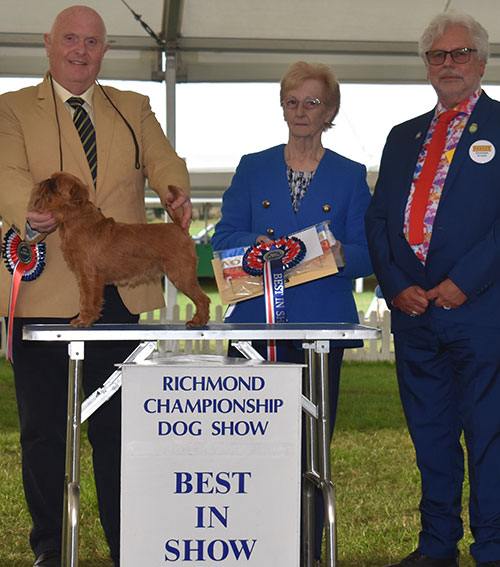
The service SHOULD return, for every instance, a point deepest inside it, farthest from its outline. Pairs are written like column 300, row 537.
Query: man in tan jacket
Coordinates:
column 37, row 138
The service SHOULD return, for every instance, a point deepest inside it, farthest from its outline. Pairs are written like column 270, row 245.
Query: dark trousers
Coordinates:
column 449, row 381
column 41, row 378
column 290, row 351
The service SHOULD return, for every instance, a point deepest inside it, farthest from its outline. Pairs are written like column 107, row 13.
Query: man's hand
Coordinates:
column 179, row 207
column 447, row 295
column 41, row 222
column 412, row 300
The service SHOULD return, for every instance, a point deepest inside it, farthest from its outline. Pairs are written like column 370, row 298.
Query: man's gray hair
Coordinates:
column 438, row 25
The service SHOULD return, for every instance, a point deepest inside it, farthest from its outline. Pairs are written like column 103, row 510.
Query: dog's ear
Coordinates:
column 40, row 195
column 78, row 193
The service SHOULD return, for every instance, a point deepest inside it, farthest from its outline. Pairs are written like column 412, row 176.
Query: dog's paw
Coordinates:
column 202, row 314
column 81, row 322
column 197, row 321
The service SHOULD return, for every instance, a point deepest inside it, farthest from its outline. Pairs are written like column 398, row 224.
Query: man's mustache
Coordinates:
column 448, row 73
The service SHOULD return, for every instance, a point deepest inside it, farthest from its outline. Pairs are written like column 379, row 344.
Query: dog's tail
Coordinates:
column 173, row 205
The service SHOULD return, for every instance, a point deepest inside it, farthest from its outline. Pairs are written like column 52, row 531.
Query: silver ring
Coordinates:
column 446, row 307
column 413, row 314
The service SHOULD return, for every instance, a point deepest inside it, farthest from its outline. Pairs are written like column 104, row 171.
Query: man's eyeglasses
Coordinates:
column 308, row 103
column 438, row 56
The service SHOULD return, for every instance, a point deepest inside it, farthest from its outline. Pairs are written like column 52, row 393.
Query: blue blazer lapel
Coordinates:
column 479, row 116
column 416, row 137
column 318, row 193
column 277, row 180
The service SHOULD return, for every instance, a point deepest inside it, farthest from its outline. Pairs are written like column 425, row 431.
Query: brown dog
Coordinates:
column 101, row 251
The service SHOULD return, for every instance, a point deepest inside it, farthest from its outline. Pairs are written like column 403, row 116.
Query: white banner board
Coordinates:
column 210, row 463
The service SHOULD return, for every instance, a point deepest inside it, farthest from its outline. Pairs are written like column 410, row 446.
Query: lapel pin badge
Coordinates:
column 473, row 128
column 418, row 135
column 482, row 151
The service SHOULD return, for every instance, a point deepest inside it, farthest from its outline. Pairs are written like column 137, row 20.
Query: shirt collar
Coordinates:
column 465, row 107
column 64, row 94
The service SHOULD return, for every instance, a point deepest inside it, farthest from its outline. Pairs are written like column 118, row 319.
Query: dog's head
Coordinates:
column 58, row 194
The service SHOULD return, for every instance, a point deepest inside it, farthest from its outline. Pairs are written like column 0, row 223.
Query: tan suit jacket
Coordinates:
column 29, row 153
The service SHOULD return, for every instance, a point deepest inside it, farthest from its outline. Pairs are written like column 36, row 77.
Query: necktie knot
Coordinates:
column 448, row 116
column 75, row 102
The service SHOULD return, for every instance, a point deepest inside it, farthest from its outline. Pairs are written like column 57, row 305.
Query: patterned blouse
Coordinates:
column 455, row 130
column 298, row 181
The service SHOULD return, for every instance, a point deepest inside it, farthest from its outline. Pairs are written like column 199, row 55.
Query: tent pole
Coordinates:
column 170, row 81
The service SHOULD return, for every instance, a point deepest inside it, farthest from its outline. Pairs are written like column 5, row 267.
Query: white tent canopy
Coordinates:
column 246, row 40
column 365, row 41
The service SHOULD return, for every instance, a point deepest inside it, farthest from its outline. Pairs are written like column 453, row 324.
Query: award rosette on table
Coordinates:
column 25, row 262
column 235, row 284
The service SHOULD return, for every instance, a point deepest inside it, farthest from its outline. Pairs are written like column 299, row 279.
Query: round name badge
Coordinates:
column 482, row 151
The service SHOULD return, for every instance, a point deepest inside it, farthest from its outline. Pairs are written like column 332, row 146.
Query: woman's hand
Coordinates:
column 338, row 254
column 264, row 239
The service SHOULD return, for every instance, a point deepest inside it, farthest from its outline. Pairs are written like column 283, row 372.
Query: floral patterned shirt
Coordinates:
column 298, row 182
column 455, row 130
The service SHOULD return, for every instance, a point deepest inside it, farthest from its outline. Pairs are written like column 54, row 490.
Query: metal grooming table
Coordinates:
column 315, row 338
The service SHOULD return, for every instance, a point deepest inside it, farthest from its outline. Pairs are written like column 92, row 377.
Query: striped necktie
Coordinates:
column 86, row 131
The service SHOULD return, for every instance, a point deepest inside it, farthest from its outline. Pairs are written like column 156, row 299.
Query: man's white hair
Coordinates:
column 438, row 25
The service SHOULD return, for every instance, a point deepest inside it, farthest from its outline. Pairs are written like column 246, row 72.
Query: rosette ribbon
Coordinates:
column 271, row 261
column 25, row 262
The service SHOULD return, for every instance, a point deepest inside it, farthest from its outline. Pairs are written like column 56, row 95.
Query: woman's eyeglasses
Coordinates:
column 308, row 103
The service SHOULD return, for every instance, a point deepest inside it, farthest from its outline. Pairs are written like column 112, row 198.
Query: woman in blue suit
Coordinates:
column 291, row 187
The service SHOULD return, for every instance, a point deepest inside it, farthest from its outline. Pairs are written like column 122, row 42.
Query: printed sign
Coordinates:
column 211, row 463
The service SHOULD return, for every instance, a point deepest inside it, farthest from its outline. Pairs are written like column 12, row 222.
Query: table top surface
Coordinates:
column 217, row 331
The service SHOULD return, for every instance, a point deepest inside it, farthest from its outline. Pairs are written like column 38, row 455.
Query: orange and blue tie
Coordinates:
column 86, row 131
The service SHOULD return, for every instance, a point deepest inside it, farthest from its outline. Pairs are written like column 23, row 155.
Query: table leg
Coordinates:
column 322, row 349
column 71, row 510
column 317, row 466
column 308, row 480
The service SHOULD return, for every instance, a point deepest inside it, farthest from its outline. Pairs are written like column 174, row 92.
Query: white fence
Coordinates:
column 380, row 349
column 374, row 349
column 194, row 346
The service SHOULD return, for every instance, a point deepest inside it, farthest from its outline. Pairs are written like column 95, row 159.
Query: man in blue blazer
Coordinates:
column 440, row 274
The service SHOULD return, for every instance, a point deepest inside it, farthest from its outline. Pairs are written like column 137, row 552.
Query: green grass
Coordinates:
column 373, row 467
column 15, row 522
column 374, row 470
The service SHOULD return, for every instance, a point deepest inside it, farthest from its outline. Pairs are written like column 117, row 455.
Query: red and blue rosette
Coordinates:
column 31, row 257
column 271, row 261
column 25, row 262
column 292, row 247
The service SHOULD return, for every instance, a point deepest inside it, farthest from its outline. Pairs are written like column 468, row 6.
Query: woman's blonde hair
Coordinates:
column 300, row 71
